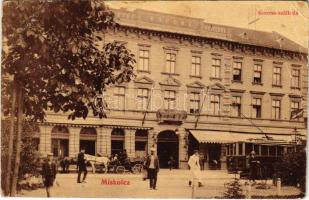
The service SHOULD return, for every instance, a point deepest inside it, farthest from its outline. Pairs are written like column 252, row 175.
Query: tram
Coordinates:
column 268, row 152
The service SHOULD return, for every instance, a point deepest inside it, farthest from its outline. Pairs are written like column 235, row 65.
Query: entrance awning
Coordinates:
column 221, row 137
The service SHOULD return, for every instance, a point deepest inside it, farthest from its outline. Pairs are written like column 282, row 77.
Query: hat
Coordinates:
column 252, row 153
column 50, row 154
column 152, row 149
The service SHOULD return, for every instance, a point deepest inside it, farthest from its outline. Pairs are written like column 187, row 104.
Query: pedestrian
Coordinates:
column 202, row 161
column 49, row 171
column 153, row 167
column 253, row 167
column 171, row 162
column 81, row 165
column 195, row 168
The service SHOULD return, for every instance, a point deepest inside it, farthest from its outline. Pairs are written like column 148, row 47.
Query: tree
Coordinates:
column 292, row 168
column 56, row 58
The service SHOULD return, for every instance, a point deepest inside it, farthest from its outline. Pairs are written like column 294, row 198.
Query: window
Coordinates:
column 215, row 69
column 295, row 106
column 256, row 107
column 195, row 65
column 140, row 146
column 194, row 102
column 214, row 104
column 236, row 106
column 170, row 62
column 169, row 99
column 276, row 109
column 142, row 99
column 295, row 78
column 237, row 71
column 257, row 74
column 143, row 60
column 277, row 76
column 119, row 98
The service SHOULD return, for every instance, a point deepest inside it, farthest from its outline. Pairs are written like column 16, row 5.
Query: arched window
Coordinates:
column 117, row 140
column 60, row 129
column 118, row 132
column 88, row 138
column 60, row 141
column 88, row 131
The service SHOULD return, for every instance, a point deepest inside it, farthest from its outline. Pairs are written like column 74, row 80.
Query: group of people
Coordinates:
column 151, row 164
column 49, row 169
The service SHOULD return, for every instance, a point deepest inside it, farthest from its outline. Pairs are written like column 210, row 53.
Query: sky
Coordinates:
column 237, row 13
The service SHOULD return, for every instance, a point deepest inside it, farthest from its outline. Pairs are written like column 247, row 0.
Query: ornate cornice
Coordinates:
column 215, row 43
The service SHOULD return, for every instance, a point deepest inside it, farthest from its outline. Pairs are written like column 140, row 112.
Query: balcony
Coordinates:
column 171, row 116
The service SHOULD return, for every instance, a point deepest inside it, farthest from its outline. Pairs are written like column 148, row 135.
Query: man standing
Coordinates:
column 195, row 168
column 81, row 165
column 254, row 164
column 48, row 173
column 153, row 167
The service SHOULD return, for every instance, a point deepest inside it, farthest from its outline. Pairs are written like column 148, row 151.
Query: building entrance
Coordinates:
column 89, row 146
column 167, row 147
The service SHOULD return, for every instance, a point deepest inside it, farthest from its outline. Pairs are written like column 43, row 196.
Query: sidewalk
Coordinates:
column 171, row 184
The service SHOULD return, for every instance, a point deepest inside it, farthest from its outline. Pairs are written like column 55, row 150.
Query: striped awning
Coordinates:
column 221, row 137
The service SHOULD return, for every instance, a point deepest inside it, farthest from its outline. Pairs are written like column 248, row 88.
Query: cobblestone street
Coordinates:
column 171, row 184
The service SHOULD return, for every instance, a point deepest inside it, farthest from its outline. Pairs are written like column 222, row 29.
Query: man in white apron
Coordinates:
column 195, row 168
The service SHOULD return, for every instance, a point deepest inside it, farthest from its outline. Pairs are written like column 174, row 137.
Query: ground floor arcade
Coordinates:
column 66, row 140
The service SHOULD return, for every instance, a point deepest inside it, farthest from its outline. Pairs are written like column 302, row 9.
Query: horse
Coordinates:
column 97, row 160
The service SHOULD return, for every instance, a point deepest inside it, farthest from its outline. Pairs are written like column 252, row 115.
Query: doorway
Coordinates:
column 89, row 146
column 168, row 146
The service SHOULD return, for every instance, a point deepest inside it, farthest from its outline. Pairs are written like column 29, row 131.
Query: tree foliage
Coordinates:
column 57, row 53
column 292, row 168
column 29, row 153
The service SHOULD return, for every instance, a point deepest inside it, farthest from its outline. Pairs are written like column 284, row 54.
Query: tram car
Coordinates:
column 269, row 154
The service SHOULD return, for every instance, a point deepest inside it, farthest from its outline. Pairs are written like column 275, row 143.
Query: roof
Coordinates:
column 156, row 21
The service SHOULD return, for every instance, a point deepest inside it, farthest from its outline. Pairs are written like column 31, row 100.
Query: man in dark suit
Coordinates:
column 81, row 165
column 49, row 171
column 153, row 167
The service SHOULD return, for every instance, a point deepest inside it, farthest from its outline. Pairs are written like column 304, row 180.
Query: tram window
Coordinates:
column 248, row 148
column 240, row 149
column 264, row 150
column 272, row 150
column 257, row 149
column 231, row 149
column 234, row 149
column 280, row 151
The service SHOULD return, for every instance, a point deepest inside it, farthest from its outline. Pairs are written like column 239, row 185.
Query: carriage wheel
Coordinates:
column 120, row 170
column 137, row 168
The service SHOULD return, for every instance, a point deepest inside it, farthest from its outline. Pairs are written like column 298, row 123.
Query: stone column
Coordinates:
column 183, row 157
column 129, row 142
column 74, row 140
column 151, row 135
column 104, row 141
column 45, row 139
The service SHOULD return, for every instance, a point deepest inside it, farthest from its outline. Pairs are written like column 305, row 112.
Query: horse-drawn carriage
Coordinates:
column 132, row 165
column 105, row 164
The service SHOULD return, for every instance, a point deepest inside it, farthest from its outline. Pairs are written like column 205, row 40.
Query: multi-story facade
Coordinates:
column 197, row 85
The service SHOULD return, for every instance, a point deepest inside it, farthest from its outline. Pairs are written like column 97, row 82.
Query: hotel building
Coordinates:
column 197, row 85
